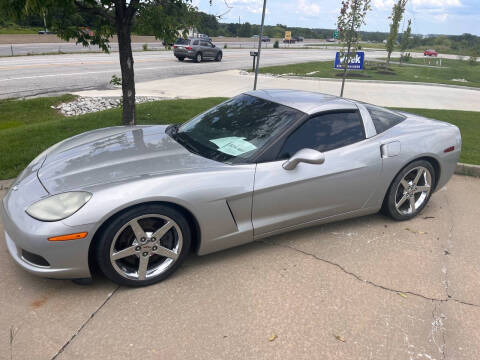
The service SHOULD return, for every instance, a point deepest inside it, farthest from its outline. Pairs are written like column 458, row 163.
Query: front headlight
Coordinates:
column 58, row 207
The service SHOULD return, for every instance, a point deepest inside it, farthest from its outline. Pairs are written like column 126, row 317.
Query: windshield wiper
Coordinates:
column 186, row 144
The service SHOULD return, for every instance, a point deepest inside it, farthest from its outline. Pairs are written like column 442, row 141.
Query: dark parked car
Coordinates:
column 45, row 32
column 204, row 37
column 196, row 49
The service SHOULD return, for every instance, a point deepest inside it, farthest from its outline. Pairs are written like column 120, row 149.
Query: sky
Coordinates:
column 452, row 17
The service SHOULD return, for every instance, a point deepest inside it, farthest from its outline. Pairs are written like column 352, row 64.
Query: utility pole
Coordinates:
column 260, row 44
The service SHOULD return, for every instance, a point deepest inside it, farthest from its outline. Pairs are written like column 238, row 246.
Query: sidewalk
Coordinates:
column 232, row 82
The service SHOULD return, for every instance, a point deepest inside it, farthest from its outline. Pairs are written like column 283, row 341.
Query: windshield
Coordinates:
column 236, row 129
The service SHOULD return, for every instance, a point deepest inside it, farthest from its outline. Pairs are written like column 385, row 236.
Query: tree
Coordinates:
column 397, row 14
column 206, row 23
column 405, row 42
column 70, row 18
column 245, row 30
column 351, row 18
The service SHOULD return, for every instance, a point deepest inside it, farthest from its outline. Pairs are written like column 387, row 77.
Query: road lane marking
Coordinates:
column 116, row 62
column 116, row 70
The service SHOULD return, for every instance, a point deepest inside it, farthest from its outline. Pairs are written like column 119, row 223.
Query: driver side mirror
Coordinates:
column 308, row 156
column 213, row 46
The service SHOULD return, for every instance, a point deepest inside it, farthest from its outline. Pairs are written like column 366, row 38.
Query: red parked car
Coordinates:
column 430, row 53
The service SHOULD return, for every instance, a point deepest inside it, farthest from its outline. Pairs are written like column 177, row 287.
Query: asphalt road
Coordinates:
column 35, row 75
column 367, row 288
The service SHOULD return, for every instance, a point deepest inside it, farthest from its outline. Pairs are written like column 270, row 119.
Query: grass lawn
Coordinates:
column 15, row 113
column 27, row 127
column 381, row 46
column 15, row 29
column 451, row 69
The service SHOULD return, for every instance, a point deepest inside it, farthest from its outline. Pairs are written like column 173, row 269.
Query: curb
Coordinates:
column 5, row 184
column 468, row 170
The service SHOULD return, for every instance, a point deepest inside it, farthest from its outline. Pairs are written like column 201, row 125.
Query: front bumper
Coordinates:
column 27, row 241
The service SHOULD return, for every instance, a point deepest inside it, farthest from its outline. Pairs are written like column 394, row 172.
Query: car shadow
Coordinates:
column 191, row 61
column 193, row 262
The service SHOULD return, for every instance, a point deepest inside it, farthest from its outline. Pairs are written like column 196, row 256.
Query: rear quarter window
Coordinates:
column 181, row 41
column 383, row 119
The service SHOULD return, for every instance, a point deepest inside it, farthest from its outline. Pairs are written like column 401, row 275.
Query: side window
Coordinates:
column 195, row 42
column 383, row 119
column 325, row 132
column 203, row 43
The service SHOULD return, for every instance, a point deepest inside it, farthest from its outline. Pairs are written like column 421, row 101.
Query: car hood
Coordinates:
column 114, row 154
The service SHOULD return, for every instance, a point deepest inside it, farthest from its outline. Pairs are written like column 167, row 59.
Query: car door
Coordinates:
column 343, row 183
column 206, row 48
column 213, row 50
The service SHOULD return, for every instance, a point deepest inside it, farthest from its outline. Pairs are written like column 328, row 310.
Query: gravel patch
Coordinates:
column 85, row 105
column 460, row 80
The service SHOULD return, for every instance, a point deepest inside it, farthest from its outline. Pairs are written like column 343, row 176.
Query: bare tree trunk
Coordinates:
column 128, row 76
column 388, row 57
column 347, row 60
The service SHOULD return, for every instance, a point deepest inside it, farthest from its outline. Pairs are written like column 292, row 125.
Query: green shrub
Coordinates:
column 405, row 57
column 116, row 81
column 276, row 45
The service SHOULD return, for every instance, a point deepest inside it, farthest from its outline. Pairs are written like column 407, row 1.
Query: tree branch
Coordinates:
column 100, row 11
column 132, row 9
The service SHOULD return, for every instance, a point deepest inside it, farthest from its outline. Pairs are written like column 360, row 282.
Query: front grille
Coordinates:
column 34, row 258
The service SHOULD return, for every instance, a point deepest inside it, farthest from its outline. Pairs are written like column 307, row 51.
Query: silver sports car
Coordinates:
column 135, row 200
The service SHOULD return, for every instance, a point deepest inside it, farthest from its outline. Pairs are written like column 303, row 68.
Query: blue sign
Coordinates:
column 355, row 63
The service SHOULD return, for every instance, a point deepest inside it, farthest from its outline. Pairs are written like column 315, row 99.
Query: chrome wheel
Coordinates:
column 413, row 190
column 146, row 247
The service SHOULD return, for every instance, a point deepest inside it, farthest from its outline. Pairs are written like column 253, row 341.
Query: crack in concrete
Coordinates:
column 449, row 245
column 446, row 283
column 438, row 328
column 369, row 282
column 76, row 333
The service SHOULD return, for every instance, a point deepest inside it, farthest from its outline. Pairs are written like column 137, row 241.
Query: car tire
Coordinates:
column 410, row 191
column 181, row 58
column 128, row 253
column 219, row 57
column 199, row 57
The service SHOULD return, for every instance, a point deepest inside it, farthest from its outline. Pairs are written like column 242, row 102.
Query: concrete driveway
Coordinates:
column 368, row 288
column 233, row 82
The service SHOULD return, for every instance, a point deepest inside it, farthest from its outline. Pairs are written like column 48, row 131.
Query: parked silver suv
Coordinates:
column 196, row 49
